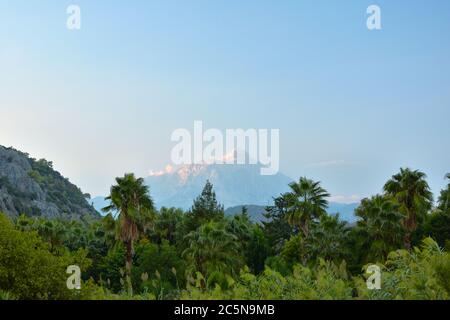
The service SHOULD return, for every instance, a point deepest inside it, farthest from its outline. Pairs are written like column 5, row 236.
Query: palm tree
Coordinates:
column 306, row 202
column 411, row 191
column 53, row 232
column 212, row 249
column 381, row 223
column 130, row 198
column 328, row 238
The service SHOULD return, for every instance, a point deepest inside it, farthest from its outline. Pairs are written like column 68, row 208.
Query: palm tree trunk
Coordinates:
column 407, row 241
column 305, row 229
column 129, row 257
column 410, row 226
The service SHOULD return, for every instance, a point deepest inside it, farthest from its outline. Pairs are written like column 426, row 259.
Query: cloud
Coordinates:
column 167, row 170
column 345, row 199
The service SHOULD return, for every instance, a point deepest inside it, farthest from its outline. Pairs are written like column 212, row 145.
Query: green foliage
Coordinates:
column 167, row 225
column 411, row 191
column 276, row 226
column 423, row 273
column 159, row 269
column 294, row 251
column 6, row 296
column 212, row 249
column 305, row 203
column 380, row 227
column 111, row 269
column 205, row 208
column 327, row 281
column 299, row 252
column 328, row 239
column 131, row 198
column 28, row 270
column 257, row 250
column 436, row 226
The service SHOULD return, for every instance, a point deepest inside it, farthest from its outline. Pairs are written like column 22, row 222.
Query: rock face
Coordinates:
column 33, row 188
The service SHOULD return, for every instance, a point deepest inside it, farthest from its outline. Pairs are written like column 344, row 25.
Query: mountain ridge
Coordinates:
column 32, row 187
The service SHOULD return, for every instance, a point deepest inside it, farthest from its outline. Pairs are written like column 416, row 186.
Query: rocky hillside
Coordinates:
column 32, row 187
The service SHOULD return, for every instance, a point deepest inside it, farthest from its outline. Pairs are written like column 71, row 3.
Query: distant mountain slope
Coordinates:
column 256, row 213
column 33, row 188
column 234, row 185
column 346, row 211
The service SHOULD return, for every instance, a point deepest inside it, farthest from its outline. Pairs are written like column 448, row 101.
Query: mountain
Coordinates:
column 234, row 185
column 256, row 213
column 34, row 188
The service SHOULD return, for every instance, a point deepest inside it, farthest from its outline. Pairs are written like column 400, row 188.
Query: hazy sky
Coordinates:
column 352, row 105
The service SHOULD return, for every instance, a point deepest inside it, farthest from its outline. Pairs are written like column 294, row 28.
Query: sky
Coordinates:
column 352, row 105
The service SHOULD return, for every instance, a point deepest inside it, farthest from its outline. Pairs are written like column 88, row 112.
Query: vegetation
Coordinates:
column 299, row 252
column 130, row 197
column 34, row 188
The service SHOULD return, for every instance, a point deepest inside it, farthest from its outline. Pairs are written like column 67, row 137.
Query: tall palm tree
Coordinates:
column 305, row 202
column 130, row 198
column 411, row 191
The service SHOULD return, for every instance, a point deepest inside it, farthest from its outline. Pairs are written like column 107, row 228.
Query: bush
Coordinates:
column 423, row 274
column 327, row 281
column 27, row 268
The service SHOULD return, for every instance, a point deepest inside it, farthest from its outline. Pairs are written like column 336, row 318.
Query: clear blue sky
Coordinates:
column 352, row 105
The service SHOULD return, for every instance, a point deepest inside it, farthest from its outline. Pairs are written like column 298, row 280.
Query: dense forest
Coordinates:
column 299, row 252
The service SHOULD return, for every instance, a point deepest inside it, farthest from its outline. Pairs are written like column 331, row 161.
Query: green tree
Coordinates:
column 130, row 198
column 167, row 225
column 29, row 271
column 436, row 226
column 419, row 274
column 276, row 227
column 305, row 202
column 212, row 249
column 328, row 239
column 240, row 226
column 159, row 269
column 380, row 227
column 257, row 250
column 444, row 198
column 205, row 208
column 411, row 191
